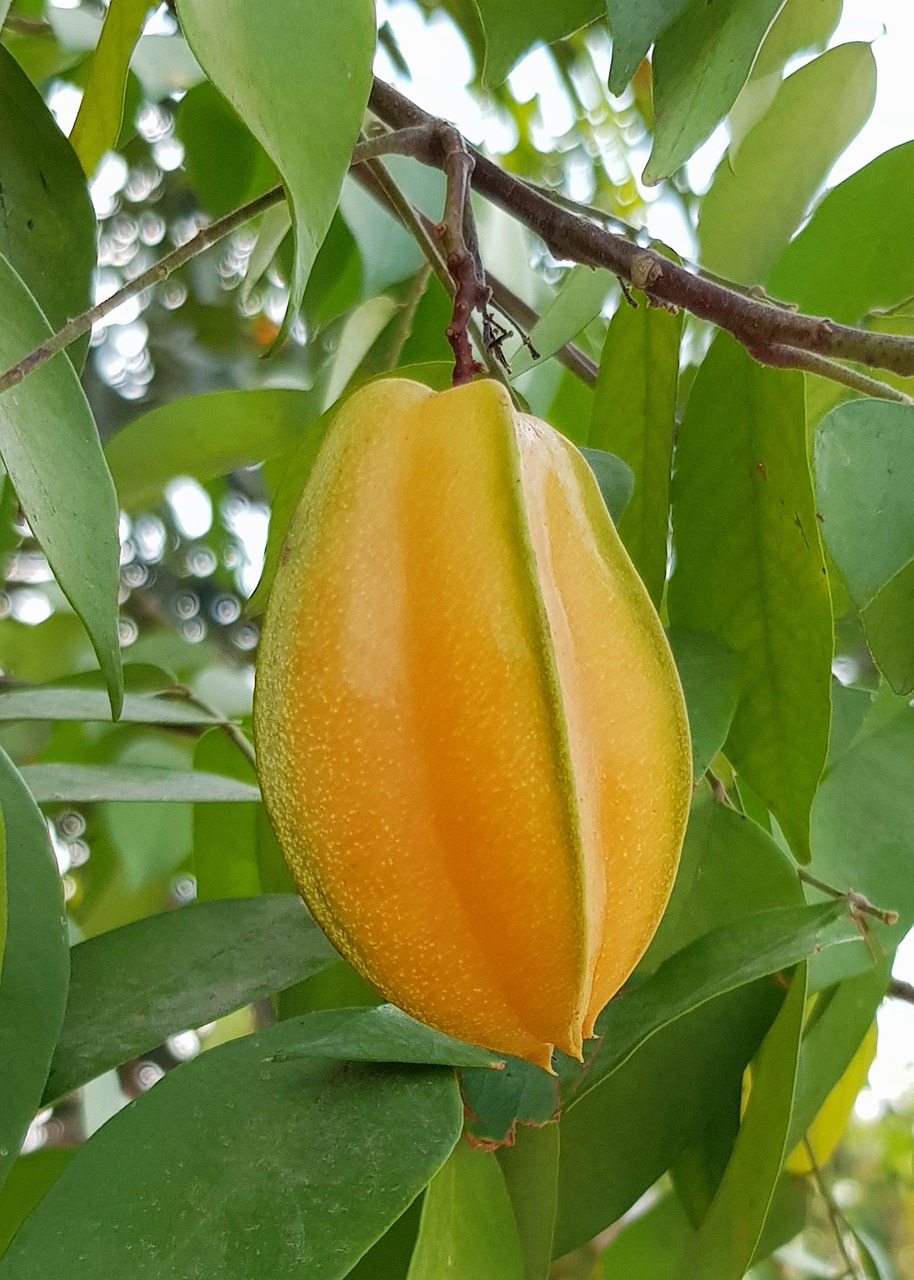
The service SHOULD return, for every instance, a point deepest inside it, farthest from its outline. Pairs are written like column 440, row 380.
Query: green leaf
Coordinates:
column 467, row 1227
column 496, row 1104
column 634, row 416
column 225, row 838
column 861, row 837
column 729, row 957
column 101, row 110
column 615, row 479
column 621, row 1137
column 56, row 702
column 512, row 26
column 758, row 199
column 382, row 1034
column 723, row 1247
column 840, row 1019
column 709, row 672
column 291, row 63
column 854, row 255
column 3, row 893
column 133, row 987
column 224, row 163
column 434, row 374
column 90, row 783
column 634, row 26
column 888, row 623
column 700, row 64
column 29, row 1180
column 244, row 1167
column 582, row 295
column 204, row 437
column 50, row 448
column 530, row 1169
column 649, row 1246
column 48, row 229
column 749, row 569
column 33, row 987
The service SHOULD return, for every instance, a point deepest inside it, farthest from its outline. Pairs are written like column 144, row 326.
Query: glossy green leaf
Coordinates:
column 56, row 702
column 29, row 1180
column 634, row 26
column 719, row 962
column 245, row 1167
column 434, row 374
column 700, row 64
column 749, row 569
column 224, row 162
column 615, row 479
column 467, row 1227
column 861, row 837
column 512, row 26
column 101, row 110
column 90, row 783
column 839, row 1021
column 649, row 1246
column 50, row 448
column 225, row 838
column 530, row 1169
column 582, row 295
column 204, row 437
column 621, row 1137
column 133, row 987
column 320, row 57
column 48, row 229
column 634, row 416
column 383, row 1033
column 854, row 254
column 723, row 1247
column 33, row 986
column 520, row 1094
column 758, row 200
column 801, row 25
column 709, row 672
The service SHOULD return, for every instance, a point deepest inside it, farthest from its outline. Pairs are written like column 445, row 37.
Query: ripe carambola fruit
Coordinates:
column 470, row 732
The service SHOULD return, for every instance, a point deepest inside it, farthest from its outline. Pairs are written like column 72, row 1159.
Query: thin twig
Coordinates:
column 781, row 357
column 182, row 693
column 470, row 290
column 859, row 905
column 899, row 990
column 758, row 325
column 844, row 1236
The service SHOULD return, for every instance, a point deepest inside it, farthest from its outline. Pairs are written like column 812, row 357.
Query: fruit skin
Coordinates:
column 471, row 737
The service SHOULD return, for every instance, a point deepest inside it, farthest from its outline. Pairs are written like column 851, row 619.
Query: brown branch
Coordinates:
column 457, row 233
column 859, row 905
column 759, row 326
column 899, row 990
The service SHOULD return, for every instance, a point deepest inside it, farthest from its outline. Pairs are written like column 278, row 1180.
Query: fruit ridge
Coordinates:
column 471, row 737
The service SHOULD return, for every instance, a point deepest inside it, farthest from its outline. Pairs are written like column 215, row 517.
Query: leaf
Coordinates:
column 649, row 1246
column 133, row 987
column 615, row 479
column 888, row 623
column 48, row 229
column 56, row 702
column 383, row 1034
column 530, row 1169
column 225, row 838
column 239, row 1166
column 91, row 783
column 581, row 297
column 512, row 26
column 434, row 374
column 634, row 26
column 51, row 451
column 98, row 122
column 861, row 836
column 634, row 415
column 719, row 962
column 621, row 1137
column 3, row 892
column 749, row 569
column 358, row 334
column 709, row 672
column 854, row 254
column 28, row 1181
column 224, row 163
column 700, row 64
column 496, row 1104
column 723, row 1247
column 33, row 987
column 291, row 63
column 467, row 1227
column 204, row 436
column 758, row 200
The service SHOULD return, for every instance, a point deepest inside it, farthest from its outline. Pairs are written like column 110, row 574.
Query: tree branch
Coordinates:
column 759, row 326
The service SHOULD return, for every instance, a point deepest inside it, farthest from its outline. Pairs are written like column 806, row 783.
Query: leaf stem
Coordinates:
column 858, row 903
column 232, row 731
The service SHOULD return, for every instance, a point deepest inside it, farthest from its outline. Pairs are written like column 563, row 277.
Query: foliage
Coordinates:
column 272, row 229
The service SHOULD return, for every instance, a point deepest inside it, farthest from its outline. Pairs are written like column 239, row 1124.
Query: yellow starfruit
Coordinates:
column 471, row 737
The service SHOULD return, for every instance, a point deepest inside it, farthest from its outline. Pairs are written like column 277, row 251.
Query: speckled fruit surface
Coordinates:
column 470, row 732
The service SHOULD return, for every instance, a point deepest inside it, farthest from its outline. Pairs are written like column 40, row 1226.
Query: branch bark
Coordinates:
column 760, row 327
